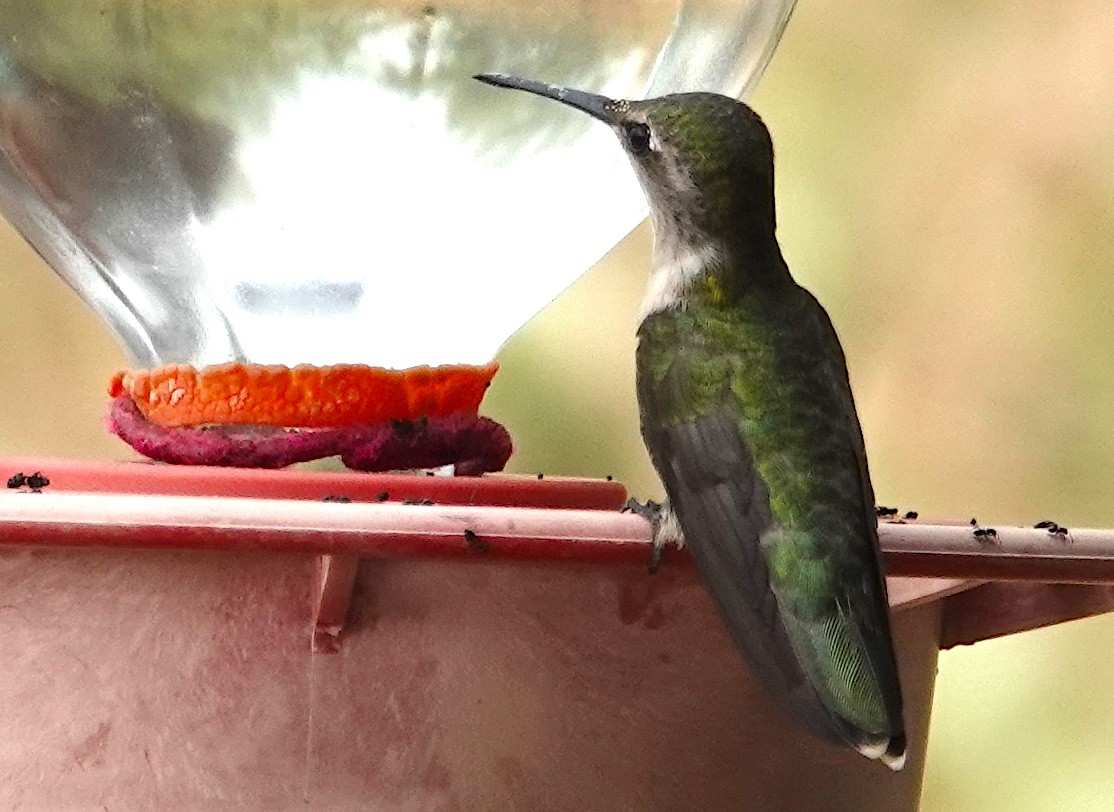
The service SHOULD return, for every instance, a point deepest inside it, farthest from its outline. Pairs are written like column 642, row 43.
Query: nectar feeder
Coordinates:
column 314, row 183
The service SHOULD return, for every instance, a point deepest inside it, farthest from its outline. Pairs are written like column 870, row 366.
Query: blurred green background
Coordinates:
column 946, row 188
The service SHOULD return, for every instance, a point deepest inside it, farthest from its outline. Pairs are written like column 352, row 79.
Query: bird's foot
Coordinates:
column 667, row 530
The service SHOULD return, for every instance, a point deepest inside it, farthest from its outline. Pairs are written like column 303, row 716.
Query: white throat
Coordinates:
column 675, row 266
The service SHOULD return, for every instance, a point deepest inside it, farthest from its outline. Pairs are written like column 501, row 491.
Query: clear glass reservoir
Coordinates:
column 321, row 181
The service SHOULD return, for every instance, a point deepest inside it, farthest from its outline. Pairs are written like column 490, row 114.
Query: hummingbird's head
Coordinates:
column 705, row 161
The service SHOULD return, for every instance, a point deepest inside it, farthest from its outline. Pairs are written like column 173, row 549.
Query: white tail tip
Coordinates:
column 880, row 751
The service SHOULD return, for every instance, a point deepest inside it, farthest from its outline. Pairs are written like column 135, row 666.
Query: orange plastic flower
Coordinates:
column 301, row 396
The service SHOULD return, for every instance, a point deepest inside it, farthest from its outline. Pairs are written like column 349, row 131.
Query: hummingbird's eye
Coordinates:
column 637, row 136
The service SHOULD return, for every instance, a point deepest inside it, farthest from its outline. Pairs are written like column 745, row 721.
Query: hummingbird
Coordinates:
column 747, row 413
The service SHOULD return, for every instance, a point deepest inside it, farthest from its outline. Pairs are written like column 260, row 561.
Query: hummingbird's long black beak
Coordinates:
column 599, row 107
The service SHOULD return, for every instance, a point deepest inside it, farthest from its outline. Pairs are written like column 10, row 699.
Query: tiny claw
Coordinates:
column 664, row 524
column 651, row 511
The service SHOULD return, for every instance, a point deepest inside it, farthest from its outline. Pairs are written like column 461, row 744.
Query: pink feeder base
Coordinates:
column 182, row 681
column 520, row 676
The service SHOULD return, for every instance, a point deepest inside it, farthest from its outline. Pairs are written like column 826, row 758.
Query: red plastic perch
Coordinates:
column 142, row 506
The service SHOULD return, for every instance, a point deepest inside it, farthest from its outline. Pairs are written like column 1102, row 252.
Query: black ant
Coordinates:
column 36, row 481
column 475, row 542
